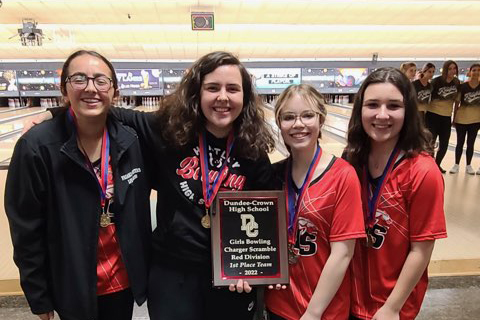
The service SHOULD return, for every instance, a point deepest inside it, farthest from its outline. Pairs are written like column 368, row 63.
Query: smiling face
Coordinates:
column 301, row 127
column 428, row 74
column 383, row 112
column 221, row 99
column 474, row 73
column 452, row 71
column 89, row 102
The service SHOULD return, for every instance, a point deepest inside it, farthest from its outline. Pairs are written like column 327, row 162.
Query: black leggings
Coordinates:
column 113, row 306
column 469, row 130
column 439, row 126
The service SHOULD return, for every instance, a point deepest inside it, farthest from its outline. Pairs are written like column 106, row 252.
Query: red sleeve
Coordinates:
column 427, row 217
column 347, row 220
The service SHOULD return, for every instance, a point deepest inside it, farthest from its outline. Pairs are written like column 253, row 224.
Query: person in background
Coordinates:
column 403, row 197
column 77, row 201
column 467, row 118
column 324, row 214
column 409, row 69
column 423, row 87
column 438, row 118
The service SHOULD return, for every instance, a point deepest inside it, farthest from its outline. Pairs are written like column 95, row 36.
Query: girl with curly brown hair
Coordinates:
column 213, row 122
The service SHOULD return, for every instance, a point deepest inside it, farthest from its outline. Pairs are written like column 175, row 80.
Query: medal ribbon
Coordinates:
column 210, row 190
column 371, row 201
column 102, row 184
column 293, row 206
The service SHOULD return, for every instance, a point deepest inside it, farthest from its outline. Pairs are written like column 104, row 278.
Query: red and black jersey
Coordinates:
column 111, row 272
column 330, row 211
column 410, row 210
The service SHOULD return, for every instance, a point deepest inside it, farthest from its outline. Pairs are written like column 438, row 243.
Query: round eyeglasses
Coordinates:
column 307, row 117
column 80, row 82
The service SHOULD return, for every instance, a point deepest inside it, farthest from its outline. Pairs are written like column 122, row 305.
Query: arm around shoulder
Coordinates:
column 144, row 123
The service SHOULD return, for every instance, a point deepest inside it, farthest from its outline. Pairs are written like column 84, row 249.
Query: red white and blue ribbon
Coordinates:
column 210, row 189
column 371, row 198
column 293, row 206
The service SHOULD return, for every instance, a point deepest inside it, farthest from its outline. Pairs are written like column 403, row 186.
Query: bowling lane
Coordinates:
column 14, row 112
column 146, row 109
column 14, row 127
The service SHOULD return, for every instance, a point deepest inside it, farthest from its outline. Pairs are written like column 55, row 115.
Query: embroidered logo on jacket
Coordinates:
column 131, row 176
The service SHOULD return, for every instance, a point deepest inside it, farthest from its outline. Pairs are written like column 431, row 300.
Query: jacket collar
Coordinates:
column 121, row 138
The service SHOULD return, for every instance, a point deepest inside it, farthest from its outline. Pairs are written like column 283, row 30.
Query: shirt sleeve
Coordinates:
column 25, row 193
column 347, row 221
column 144, row 124
column 263, row 176
column 427, row 217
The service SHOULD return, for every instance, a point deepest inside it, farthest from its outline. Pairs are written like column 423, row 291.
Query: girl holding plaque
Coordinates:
column 209, row 135
column 324, row 214
column 77, row 200
column 402, row 191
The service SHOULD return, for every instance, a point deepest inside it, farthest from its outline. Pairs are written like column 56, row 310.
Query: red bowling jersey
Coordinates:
column 410, row 210
column 111, row 272
column 330, row 211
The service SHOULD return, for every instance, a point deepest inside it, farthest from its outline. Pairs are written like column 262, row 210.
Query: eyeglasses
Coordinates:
column 307, row 117
column 80, row 82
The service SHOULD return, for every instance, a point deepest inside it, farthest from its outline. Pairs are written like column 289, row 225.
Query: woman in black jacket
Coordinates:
column 77, row 202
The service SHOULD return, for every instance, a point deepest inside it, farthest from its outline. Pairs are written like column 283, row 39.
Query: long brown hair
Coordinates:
column 413, row 137
column 181, row 118
column 445, row 67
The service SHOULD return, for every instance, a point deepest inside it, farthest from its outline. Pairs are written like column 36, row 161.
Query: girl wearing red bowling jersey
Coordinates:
column 324, row 214
column 402, row 192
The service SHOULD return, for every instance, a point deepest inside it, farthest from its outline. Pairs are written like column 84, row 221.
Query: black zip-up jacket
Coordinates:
column 52, row 201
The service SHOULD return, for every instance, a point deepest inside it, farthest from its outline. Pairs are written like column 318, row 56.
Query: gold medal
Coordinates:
column 206, row 221
column 105, row 220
